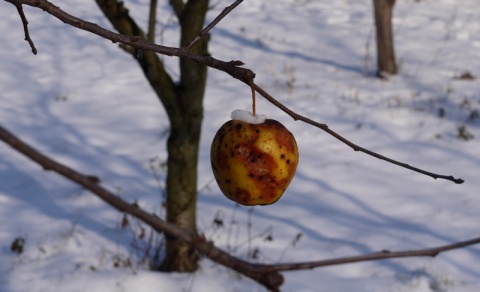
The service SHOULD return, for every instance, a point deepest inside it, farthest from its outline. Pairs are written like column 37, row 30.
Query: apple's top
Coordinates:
column 248, row 117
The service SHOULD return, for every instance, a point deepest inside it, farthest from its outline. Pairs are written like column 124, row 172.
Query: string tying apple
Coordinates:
column 253, row 158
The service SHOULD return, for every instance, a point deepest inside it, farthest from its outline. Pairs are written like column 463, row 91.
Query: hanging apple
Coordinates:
column 253, row 159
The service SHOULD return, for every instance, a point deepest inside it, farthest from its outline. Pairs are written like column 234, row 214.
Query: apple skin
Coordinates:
column 253, row 163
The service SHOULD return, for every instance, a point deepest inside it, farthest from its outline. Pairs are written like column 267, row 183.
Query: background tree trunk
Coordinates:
column 386, row 63
column 183, row 102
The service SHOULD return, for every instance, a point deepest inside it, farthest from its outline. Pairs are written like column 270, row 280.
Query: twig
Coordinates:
column 232, row 68
column 25, row 24
column 217, row 19
column 385, row 254
column 265, row 274
column 355, row 147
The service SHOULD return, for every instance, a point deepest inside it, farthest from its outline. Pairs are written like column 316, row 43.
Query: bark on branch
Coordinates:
column 266, row 274
column 232, row 68
column 271, row 280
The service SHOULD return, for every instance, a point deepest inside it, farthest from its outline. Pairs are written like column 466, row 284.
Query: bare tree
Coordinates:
column 183, row 102
column 386, row 63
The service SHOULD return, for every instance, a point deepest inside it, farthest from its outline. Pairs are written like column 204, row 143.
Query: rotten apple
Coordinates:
column 253, row 163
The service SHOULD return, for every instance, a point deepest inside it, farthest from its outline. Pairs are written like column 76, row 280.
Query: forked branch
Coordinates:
column 232, row 68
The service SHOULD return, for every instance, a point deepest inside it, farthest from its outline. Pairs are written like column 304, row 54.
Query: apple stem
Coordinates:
column 254, row 106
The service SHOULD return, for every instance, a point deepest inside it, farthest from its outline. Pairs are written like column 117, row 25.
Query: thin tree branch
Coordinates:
column 232, row 68
column 25, row 24
column 385, row 254
column 265, row 274
column 217, row 19
column 355, row 147
column 271, row 280
column 152, row 19
column 139, row 42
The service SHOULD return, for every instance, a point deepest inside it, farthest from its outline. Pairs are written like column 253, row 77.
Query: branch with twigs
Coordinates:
column 232, row 68
column 266, row 274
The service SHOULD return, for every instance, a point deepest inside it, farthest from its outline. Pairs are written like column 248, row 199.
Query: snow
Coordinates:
column 248, row 117
column 85, row 102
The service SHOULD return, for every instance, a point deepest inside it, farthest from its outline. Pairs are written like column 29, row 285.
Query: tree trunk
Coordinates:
column 386, row 64
column 183, row 143
column 183, row 103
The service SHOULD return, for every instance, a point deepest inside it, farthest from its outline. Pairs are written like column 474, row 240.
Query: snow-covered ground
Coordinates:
column 86, row 103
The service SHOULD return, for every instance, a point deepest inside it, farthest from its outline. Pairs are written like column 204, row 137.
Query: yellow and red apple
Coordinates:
column 253, row 163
